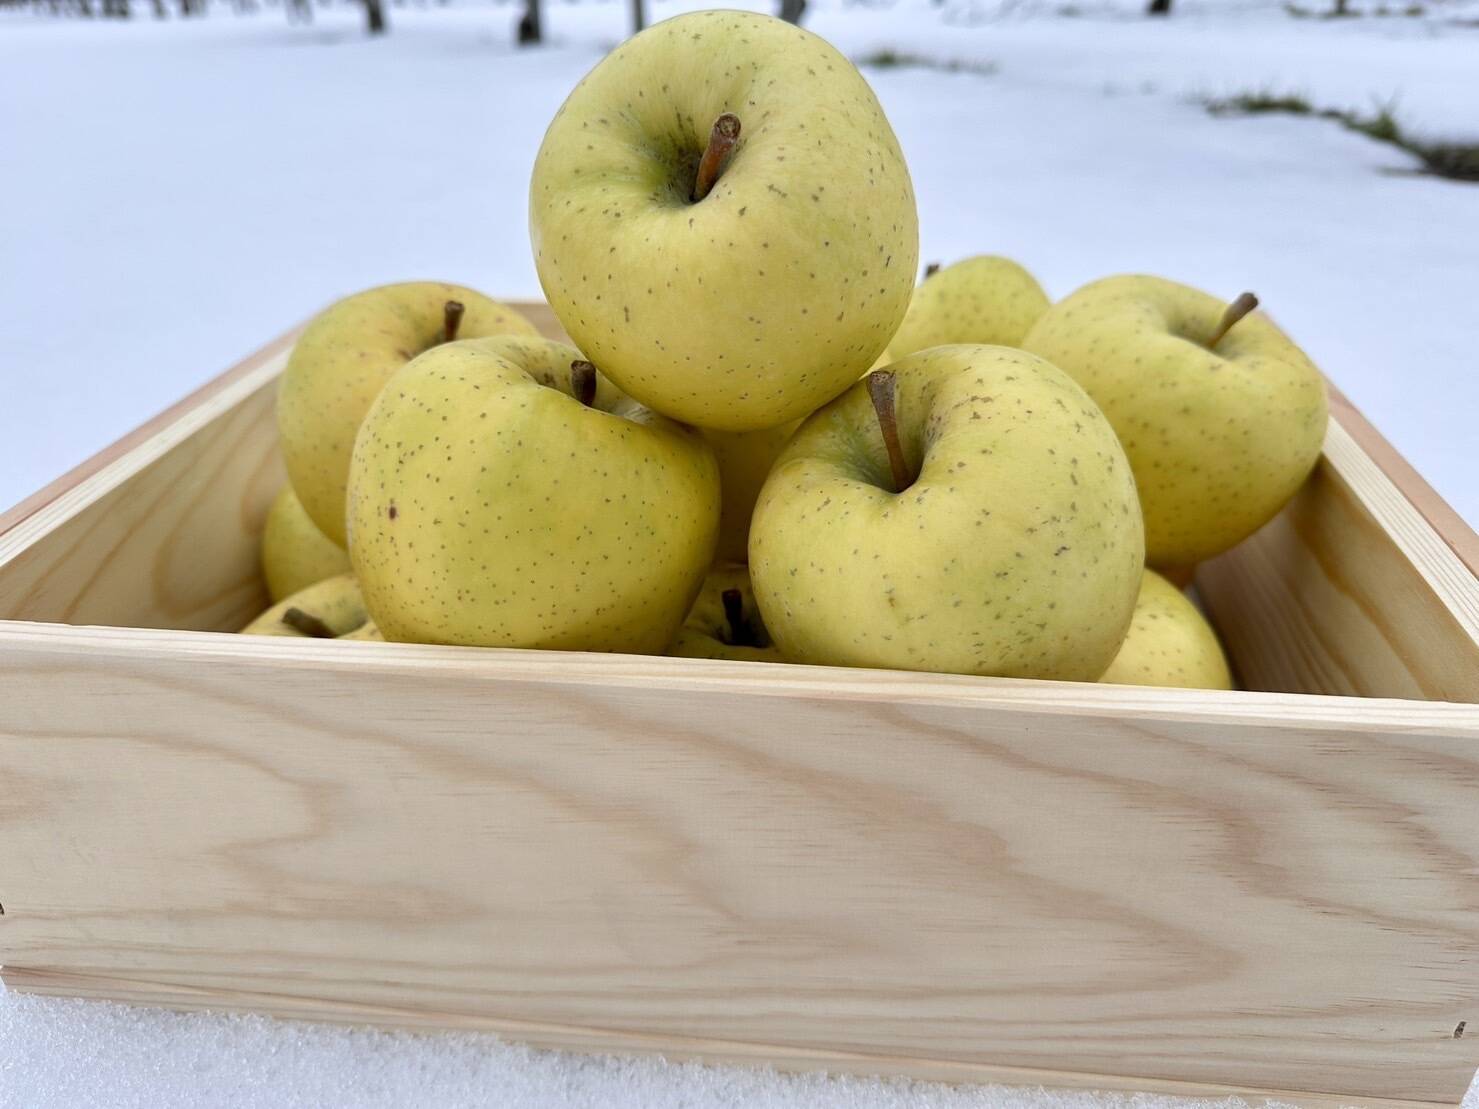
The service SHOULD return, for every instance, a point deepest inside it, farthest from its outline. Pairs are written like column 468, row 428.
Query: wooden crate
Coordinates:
column 1272, row 892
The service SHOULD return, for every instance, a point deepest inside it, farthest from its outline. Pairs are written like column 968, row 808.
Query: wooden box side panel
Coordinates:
column 1239, row 889
column 1349, row 591
column 164, row 534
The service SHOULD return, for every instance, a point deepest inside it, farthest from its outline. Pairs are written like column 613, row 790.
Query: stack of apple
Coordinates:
column 766, row 443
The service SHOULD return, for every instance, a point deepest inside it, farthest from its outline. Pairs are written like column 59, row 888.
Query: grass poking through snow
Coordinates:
column 1455, row 161
column 893, row 59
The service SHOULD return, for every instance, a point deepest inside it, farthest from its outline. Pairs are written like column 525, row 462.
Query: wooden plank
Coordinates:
column 567, row 1038
column 1350, row 590
column 1458, row 534
column 164, row 534
column 1270, row 891
column 146, row 431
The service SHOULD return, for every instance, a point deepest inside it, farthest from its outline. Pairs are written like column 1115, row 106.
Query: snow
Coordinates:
column 174, row 194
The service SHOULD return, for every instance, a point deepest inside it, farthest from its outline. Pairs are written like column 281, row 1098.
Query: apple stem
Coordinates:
column 451, row 319
column 1239, row 308
column 309, row 625
column 881, row 393
column 583, row 381
column 722, row 138
column 931, row 269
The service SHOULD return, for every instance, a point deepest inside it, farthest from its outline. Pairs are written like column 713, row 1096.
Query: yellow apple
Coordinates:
column 295, row 554
column 745, row 458
column 986, row 299
column 722, row 220
column 503, row 494
column 1222, row 417
column 996, row 533
column 725, row 622
column 1169, row 643
column 327, row 609
column 345, row 356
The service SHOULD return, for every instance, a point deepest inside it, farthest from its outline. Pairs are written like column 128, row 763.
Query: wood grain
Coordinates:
column 1350, row 590
column 164, row 534
column 895, row 873
column 1274, row 892
column 1409, row 483
column 671, row 1048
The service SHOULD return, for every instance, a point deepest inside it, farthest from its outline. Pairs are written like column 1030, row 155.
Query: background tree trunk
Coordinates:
column 1159, row 7
column 530, row 30
column 639, row 15
column 792, row 11
column 375, row 16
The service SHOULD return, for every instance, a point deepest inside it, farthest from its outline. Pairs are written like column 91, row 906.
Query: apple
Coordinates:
column 725, row 622
column 502, row 493
column 723, row 222
column 1221, row 415
column 968, row 510
column 327, row 609
column 295, row 554
column 986, row 299
column 745, row 458
column 1169, row 643
column 345, row 356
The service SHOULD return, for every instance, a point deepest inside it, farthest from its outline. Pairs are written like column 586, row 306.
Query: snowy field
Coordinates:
column 173, row 195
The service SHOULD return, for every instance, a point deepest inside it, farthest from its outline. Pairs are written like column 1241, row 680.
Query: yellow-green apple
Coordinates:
column 342, row 360
column 1221, row 415
column 725, row 622
column 986, row 299
column 327, row 609
column 967, row 510
column 745, row 458
column 722, row 220
column 502, row 493
column 1169, row 643
column 295, row 554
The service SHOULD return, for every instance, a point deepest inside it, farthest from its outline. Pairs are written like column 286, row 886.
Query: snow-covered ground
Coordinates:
column 172, row 195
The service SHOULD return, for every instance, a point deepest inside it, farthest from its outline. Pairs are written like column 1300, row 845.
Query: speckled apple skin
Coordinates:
column 336, row 601
column 1169, row 643
column 341, row 362
column 1016, row 552
column 770, row 296
column 488, row 507
column 704, row 633
column 745, row 459
column 295, row 554
column 1219, row 440
column 986, row 299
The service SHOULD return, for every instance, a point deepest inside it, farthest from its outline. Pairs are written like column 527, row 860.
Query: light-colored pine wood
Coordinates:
column 1273, row 892
column 674, row 1048
column 1349, row 590
column 163, row 534
column 1413, row 487
column 938, row 876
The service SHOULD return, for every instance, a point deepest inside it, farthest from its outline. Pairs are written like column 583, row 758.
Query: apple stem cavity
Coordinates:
column 725, row 134
column 1239, row 308
column 881, row 391
column 931, row 269
column 451, row 319
column 306, row 623
column 583, row 381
